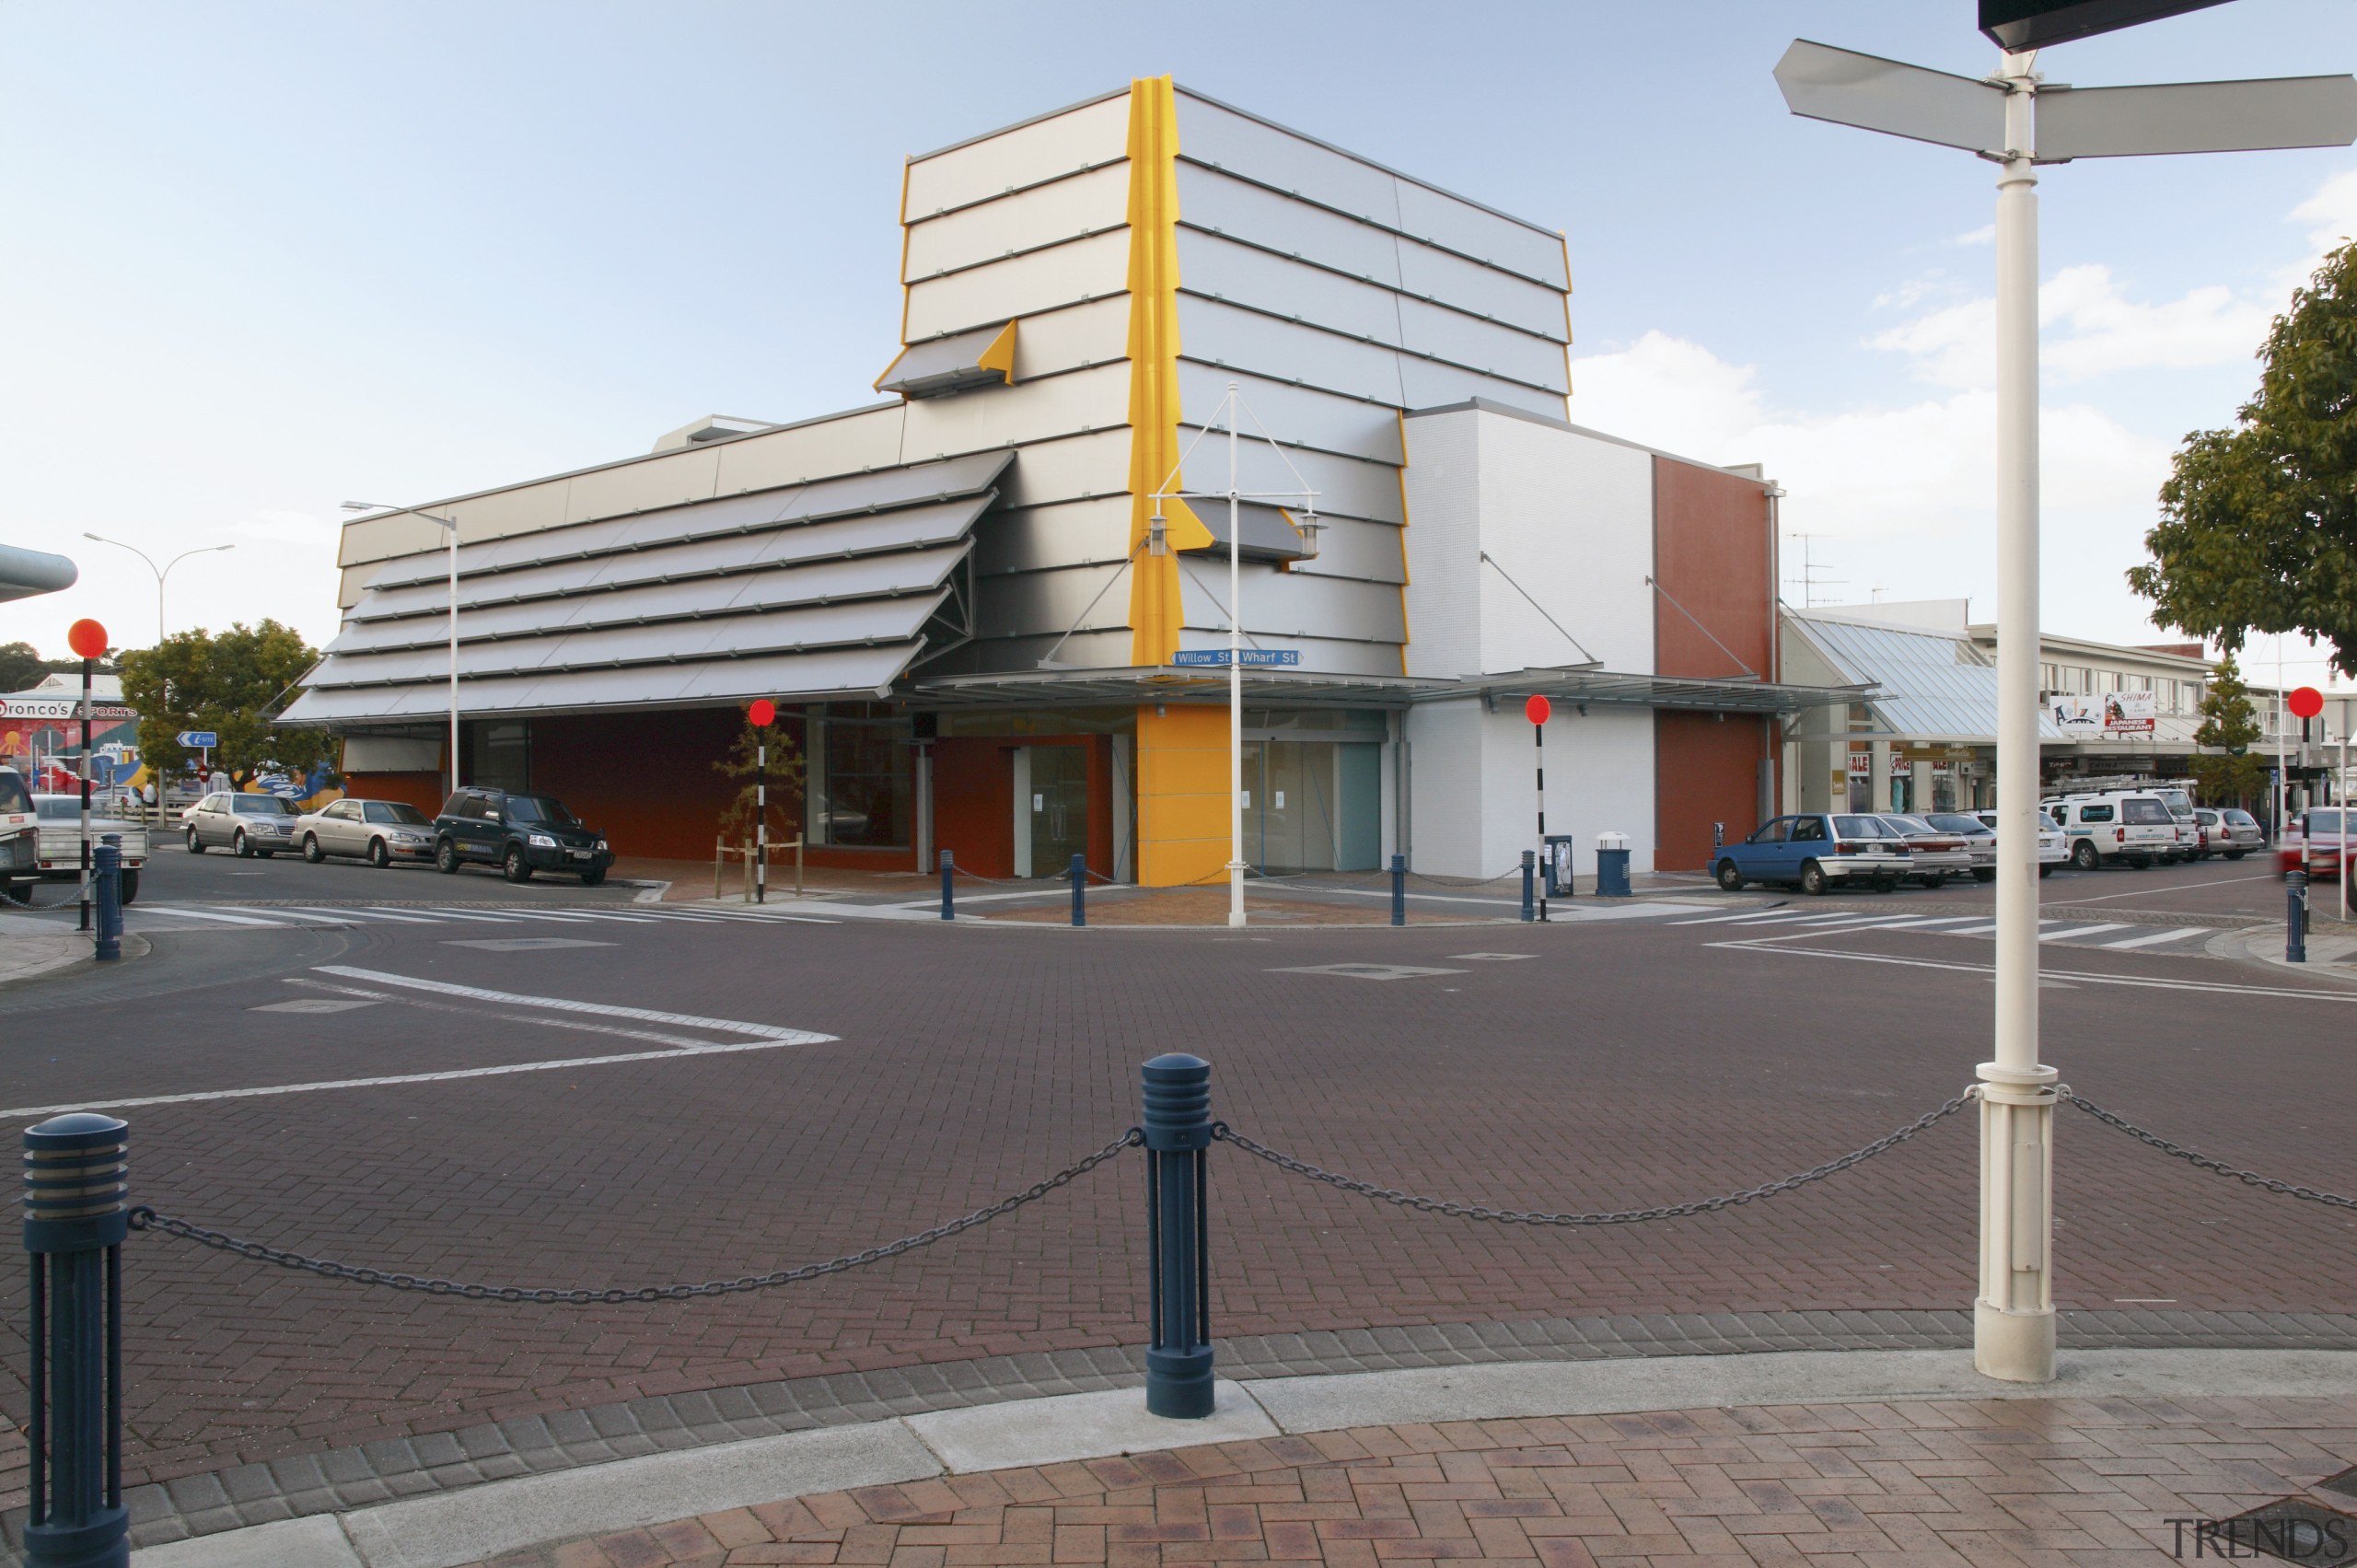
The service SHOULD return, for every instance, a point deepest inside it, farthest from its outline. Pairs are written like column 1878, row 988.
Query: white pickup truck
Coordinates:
column 19, row 839
column 61, row 840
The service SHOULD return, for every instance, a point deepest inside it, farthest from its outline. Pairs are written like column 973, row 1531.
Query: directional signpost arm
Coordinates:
column 2002, row 119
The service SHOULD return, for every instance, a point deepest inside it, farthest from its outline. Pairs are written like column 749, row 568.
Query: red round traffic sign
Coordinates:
column 1537, row 709
column 87, row 639
column 764, row 713
column 2306, row 703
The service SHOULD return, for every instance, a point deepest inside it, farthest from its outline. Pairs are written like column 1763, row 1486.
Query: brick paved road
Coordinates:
column 1625, row 1065
column 1931, row 1485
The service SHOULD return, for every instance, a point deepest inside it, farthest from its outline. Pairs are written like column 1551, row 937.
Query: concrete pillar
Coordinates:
column 1878, row 794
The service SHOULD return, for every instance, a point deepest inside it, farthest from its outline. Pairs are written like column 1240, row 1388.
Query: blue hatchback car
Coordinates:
column 1814, row 851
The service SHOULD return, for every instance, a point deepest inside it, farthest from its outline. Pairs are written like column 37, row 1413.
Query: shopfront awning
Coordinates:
column 1298, row 688
column 831, row 589
column 956, row 362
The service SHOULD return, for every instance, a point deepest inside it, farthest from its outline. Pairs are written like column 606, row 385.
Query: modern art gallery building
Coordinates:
column 986, row 613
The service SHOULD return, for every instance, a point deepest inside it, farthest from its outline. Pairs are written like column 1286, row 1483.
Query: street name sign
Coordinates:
column 1249, row 658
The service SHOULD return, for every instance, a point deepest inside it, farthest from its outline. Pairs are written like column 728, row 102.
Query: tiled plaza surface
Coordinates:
column 1618, row 1065
column 2020, row 1483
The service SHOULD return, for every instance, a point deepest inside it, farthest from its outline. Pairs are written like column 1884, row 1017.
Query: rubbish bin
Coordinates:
column 1612, row 865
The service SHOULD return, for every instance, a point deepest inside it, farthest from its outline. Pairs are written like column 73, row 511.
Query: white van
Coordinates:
column 2189, row 826
column 2134, row 826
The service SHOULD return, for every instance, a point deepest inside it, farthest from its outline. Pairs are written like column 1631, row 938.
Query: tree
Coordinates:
column 2258, row 523
column 22, row 667
column 784, row 791
column 234, row 684
column 2230, row 724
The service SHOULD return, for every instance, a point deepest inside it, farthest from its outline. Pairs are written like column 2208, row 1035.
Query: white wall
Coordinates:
column 1474, row 796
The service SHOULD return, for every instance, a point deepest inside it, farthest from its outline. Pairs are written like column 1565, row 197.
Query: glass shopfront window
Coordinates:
column 861, row 773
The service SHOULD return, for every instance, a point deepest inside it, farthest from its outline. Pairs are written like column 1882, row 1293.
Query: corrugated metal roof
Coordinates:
column 1931, row 685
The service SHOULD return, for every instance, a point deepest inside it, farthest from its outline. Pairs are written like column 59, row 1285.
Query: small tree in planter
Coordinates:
column 736, row 819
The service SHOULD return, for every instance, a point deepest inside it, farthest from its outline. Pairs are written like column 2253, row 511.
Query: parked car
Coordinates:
column 2053, row 848
column 19, row 838
column 242, row 823
column 1980, row 840
column 2236, row 833
column 1938, row 853
column 379, row 831
column 519, row 833
column 2188, row 825
column 1814, row 851
column 61, row 840
column 2134, row 826
column 2321, row 840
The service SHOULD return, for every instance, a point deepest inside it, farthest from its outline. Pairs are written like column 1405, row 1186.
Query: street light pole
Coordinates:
column 2000, row 118
column 161, row 571
column 1234, row 679
column 451, row 525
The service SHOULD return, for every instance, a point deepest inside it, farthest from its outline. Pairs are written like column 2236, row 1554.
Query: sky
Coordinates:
column 264, row 257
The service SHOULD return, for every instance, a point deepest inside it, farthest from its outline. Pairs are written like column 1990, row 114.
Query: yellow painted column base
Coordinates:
column 1182, row 795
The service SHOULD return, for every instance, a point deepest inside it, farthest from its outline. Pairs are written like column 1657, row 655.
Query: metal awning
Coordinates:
column 954, row 363
column 1265, row 686
column 825, row 589
column 1590, row 684
column 1269, row 533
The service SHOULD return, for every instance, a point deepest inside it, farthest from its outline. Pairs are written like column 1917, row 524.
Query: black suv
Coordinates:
column 519, row 833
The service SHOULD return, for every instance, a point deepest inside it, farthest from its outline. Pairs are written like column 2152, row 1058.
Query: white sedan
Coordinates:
column 2052, row 849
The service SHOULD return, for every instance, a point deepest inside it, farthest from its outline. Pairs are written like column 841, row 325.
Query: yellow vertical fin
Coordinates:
column 1000, row 356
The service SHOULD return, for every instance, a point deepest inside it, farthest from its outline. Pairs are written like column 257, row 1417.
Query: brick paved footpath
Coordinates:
column 1618, row 1069
column 2082, row 1483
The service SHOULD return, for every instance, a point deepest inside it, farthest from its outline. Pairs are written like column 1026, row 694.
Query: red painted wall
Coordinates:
column 973, row 799
column 1705, row 771
column 1715, row 554
column 421, row 790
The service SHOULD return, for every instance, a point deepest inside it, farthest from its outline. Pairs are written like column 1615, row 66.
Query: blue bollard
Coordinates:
column 76, row 1212
column 948, row 900
column 2295, row 917
column 1079, row 874
column 1529, row 900
column 1179, row 1296
column 110, row 890
column 1399, row 890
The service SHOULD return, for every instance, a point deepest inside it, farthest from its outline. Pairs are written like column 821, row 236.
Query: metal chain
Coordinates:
column 1221, row 1129
column 2249, row 1178
column 144, row 1218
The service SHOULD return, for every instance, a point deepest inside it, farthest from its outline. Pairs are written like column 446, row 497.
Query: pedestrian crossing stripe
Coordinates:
column 1791, row 926
column 291, row 917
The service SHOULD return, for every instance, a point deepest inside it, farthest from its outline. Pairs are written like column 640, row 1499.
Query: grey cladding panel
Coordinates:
column 1433, row 385
column 1210, row 200
column 1346, row 485
column 1286, row 351
column 1483, row 345
column 830, row 672
column 1050, row 603
column 1349, row 548
column 1231, row 140
column 1280, row 607
column 1294, row 415
column 1467, row 229
column 1238, row 273
column 1040, row 538
column 1481, row 291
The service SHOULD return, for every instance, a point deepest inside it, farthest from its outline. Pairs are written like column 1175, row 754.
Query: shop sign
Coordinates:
column 1861, row 764
column 61, row 708
column 2115, row 713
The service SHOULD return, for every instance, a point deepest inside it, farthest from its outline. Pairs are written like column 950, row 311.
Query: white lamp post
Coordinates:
column 161, row 571
column 2018, row 120
column 451, row 526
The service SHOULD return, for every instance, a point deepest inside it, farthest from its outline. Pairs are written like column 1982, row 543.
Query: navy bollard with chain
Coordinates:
column 1177, row 1137
column 1079, row 874
column 1399, row 890
column 2295, row 917
column 110, row 890
column 77, row 1208
column 949, row 869
column 1529, row 900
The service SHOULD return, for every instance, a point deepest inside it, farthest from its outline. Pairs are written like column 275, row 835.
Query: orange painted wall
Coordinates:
column 1183, row 820
column 421, row 790
column 1715, row 553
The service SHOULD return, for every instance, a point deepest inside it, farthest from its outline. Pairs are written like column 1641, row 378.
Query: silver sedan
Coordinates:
column 380, row 832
